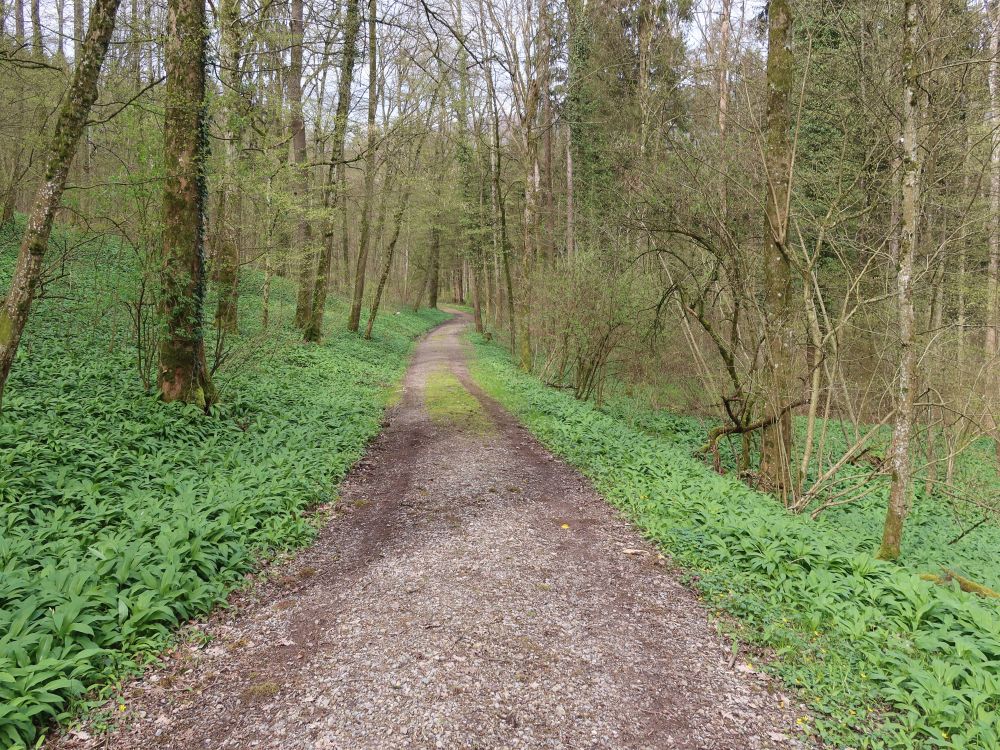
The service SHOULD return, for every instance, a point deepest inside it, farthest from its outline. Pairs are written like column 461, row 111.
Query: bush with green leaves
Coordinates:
column 122, row 517
column 883, row 658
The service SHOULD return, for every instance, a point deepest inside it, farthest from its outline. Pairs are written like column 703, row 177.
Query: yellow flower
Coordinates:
column 121, row 706
column 565, row 525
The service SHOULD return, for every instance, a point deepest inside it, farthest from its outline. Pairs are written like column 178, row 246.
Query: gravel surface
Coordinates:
column 471, row 591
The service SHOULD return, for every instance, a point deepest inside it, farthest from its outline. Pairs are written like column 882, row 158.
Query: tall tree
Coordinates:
column 231, row 199
column 183, row 374
column 900, row 460
column 19, row 21
column 36, row 29
column 300, row 158
column 776, row 438
column 73, row 113
column 361, row 268
column 993, row 268
column 336, row 193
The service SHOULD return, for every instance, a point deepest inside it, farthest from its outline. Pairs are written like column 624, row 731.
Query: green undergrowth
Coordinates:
column 122, row 517
column 882, row 658
column 942, row 532
column 449, row 404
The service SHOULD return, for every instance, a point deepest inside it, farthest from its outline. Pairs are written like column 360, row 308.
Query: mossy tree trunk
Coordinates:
column 72, row 119
column 776, row 438
column 336, row 192
column 900, row 459
column 183, row 374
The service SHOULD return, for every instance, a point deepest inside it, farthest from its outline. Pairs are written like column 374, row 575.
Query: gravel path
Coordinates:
column 472, row 591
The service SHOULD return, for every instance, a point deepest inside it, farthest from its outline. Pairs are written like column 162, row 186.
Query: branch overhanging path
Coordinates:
column 470, row 591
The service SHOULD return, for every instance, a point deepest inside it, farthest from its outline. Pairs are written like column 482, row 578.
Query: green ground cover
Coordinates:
column 883, row 658
column 122, row 517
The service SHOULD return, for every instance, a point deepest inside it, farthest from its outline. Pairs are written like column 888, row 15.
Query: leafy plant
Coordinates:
column 122, row 517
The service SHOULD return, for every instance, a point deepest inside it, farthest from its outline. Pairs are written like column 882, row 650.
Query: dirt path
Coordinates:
column 474, row 593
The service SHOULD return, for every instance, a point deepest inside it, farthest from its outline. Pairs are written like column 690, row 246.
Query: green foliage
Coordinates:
column 122, row 517
column 884, row 659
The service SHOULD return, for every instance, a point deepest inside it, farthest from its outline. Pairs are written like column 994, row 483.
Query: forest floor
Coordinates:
column 470, row 591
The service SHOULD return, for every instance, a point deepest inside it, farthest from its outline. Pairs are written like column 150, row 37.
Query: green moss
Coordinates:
column 450, row 404
column 6, row 328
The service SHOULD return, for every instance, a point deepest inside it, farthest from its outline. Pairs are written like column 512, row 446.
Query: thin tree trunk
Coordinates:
column 61, row 28
column 361, row 268
column 297, row 125
column 314, row 330
column 776, row 439
column 900, row 460
column 228, row 256
column 73, row 113
column 570, row 229
column 36, row 29
column 19, row 22
column 434, row 272
column 397, row 223
column 993, row 272
column 183, row 374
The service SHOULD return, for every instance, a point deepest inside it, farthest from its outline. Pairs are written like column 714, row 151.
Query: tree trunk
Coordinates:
column 434, row 272
column 19, row 22
column 73, row 113
column 361, row 268
column 776, row 439
column 570, row 229
column 183, row 374
column 60, row 29
column 993, row 272
column 336, row 179
column 297, row 126
column 36, row 29
column 500, row 211
column 900, row 461
column 228, row 256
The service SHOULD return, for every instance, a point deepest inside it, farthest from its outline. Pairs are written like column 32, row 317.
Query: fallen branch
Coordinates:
column 967, row 585
column 974, row 526
column 718, row 433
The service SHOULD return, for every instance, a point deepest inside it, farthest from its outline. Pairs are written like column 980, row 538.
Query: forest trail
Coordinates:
column 471, row 591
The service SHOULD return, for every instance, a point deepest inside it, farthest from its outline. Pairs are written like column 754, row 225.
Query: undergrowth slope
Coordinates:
column 883, row 658
column 122, row 517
